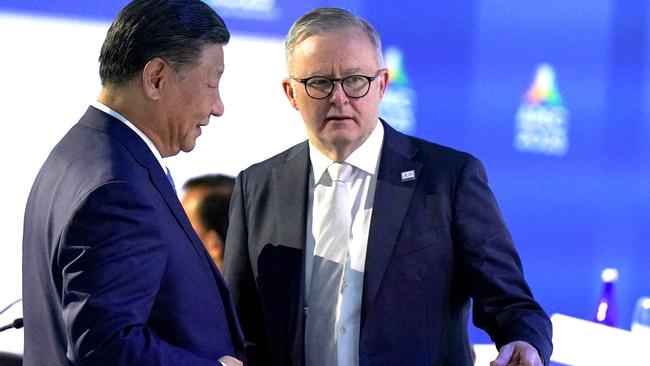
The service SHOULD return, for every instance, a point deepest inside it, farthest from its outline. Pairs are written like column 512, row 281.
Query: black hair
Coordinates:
column 174, row 30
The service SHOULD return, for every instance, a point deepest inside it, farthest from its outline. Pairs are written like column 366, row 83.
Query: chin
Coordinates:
column 342, row 134
column 188, row 148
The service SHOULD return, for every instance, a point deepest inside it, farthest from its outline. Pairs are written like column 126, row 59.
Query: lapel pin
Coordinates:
column 408, row 175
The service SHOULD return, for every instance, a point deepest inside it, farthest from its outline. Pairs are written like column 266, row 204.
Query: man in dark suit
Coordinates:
column 421, row 230
column 113, row 273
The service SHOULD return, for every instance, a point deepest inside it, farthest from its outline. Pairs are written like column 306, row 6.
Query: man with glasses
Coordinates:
column 363, row 246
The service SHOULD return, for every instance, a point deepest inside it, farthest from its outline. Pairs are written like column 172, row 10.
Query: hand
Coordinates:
column 230, row 361
column 517, row 353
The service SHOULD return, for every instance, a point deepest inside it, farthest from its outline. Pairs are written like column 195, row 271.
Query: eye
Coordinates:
column 319, row 83
column 355, row 81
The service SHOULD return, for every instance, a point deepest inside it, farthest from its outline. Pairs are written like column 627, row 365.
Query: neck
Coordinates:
column 336, row 154
column 136, row 109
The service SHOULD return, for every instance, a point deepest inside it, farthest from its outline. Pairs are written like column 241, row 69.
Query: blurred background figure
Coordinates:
column 206, row 202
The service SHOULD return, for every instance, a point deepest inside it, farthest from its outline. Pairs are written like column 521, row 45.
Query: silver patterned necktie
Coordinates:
column 330, row 254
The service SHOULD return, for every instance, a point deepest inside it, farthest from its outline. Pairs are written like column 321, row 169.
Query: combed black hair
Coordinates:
column 174, row 30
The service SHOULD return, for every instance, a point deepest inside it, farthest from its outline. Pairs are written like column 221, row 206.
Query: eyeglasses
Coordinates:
column 354, row 86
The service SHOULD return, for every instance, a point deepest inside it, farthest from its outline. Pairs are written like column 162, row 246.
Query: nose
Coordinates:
column 217, row 107
column 338, row 96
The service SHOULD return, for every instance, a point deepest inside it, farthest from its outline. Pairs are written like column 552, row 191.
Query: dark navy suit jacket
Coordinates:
column 434, row 243
column 113, row 273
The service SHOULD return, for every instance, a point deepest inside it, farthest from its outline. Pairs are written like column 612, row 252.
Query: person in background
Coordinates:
column 206, row 202
column 362, row 245
column 113, row 273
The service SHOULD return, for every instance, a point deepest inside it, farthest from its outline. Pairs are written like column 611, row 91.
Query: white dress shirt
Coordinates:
column 365, row 160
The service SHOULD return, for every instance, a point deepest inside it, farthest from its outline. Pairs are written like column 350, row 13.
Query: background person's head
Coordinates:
column 207, row 202
column 160, row 66
column 340, row 108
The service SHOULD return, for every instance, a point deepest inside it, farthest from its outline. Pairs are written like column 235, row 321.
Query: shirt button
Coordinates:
column 342, row 330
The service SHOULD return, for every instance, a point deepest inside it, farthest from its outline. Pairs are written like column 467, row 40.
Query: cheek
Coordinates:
column 207, row 100
column 367, row 109
column 312, row 115
column 301, row 102
column 313, row 107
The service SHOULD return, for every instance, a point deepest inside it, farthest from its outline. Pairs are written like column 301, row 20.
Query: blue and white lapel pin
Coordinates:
column 408, row 175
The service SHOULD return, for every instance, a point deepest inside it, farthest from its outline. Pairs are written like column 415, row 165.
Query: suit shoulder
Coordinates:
column 258, row 170
column 83, row 160
column 441, row 153
column 95, row 152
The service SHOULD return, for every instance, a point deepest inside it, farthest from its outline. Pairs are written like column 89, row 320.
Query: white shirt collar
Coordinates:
column 150, row 144
column 365, row 157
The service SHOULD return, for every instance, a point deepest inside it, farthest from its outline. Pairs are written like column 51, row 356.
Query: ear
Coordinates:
column 153, row 76
column 383, row 82
column 289, row 91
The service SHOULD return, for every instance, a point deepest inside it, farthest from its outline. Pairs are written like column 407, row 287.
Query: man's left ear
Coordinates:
column 152, row 77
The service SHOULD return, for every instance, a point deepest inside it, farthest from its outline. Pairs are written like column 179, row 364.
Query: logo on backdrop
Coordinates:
column 247, row 9
column 542, row 121
column 398, row 105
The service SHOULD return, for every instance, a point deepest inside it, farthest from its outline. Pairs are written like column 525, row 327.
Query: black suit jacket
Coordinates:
column 113, row 273
column 434, row 243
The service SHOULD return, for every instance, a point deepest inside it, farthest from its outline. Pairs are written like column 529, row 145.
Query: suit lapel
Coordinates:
column 101, row 121
column 290, row 184
column 392, row 198
column 290, row 181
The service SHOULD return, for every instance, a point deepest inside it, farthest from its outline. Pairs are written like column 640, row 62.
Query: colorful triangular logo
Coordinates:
column 543, row 90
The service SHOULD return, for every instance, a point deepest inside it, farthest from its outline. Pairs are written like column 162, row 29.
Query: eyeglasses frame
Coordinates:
column 370, row 79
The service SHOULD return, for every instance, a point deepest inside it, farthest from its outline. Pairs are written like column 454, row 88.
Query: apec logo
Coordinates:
column 542, row 121
column 398, row 104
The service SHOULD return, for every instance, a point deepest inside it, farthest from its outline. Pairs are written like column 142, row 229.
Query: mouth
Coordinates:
column 202, row 125
column 337, row 118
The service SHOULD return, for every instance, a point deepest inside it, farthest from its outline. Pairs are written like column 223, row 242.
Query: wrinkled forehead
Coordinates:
column 349, row 48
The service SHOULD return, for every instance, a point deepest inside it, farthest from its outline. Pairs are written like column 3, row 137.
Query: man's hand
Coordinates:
column 517, row 353
column 230, row 361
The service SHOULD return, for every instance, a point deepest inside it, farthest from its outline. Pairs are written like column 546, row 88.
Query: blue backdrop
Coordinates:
column 553, row 96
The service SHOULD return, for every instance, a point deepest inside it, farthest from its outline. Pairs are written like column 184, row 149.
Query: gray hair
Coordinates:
column 324, row 20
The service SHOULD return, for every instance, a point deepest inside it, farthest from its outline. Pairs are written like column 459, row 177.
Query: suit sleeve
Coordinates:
column 113, row 258
column 240, row 278
column 503, row 303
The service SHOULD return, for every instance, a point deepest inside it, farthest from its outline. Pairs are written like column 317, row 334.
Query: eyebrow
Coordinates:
column 346, row 72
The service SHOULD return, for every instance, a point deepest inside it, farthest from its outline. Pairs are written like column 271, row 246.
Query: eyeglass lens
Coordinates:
column 354, row 86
